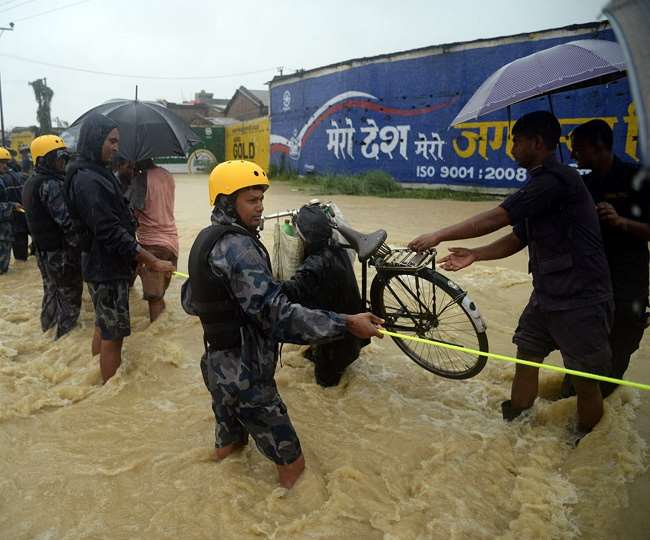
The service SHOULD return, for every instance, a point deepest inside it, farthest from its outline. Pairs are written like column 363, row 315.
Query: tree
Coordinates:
column 44, row 96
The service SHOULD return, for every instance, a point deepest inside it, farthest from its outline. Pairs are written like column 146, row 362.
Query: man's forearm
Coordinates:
column 635, row 228
column 144, row 257
column 502, row 248
column 478, row 225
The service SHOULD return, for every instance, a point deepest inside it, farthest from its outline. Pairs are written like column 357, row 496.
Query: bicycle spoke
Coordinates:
column 417, row 305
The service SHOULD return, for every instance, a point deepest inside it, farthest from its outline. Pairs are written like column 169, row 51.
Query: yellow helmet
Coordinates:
column 5, row 155
column 230, row 176
column 45, row 144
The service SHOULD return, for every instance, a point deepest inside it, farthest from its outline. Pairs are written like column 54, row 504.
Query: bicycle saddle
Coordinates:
column 364, row 244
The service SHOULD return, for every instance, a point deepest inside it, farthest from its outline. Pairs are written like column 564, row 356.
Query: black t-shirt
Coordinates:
column 627, row 254
column 555, row 216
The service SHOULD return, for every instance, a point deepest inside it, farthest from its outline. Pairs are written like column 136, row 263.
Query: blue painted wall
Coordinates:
column 394, row 116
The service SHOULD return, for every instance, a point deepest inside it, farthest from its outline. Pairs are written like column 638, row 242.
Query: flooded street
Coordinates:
column 394, row 452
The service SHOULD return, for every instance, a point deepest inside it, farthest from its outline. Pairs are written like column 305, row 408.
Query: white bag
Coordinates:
column 288, row 253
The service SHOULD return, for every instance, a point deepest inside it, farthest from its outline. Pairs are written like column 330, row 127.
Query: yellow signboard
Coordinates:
column 19, row 138
column 250, row 141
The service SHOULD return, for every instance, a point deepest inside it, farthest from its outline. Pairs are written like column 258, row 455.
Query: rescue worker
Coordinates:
column 13, row 164
column 244, row 315
column 624, row 214
column 570, row 308
column 14, row 182
column 56, row 243
column 26, row 163
column 110, row 251
column 325, row 280
column 8, row 209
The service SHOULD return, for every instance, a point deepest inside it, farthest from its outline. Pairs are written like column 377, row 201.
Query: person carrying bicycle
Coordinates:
column 325, row 280
column 245, row 315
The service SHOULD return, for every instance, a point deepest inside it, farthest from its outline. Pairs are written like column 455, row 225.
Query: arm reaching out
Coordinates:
column 478, row 225
column 462, row 257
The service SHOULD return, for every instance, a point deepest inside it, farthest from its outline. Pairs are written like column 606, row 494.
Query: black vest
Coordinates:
column 46, row 233
column 220, row 313
column 14, row 185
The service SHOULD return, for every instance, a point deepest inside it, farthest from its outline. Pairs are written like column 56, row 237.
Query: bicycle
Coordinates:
column 414, row 298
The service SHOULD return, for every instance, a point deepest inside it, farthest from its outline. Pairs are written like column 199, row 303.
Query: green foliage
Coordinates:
column 372, row 183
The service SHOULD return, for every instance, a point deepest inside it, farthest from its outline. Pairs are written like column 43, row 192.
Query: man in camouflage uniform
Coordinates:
column 8, row 210
column 14, row 182
column 57, row 244
column 244, row 316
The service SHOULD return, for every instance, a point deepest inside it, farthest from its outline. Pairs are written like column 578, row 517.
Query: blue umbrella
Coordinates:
column 564, row 67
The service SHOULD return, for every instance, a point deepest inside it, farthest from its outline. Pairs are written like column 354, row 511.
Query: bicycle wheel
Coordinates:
column 429, row 305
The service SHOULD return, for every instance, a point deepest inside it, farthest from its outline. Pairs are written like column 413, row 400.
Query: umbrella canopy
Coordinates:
column 629, row 19
column 147, row 129
column 563, row 67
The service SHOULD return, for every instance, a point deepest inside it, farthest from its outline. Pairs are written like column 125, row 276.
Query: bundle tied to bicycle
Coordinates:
column 407, row 291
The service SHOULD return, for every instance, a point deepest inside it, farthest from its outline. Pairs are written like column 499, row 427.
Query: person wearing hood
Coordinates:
column 325, row 280
column 245, row 315
column 56, row 242
column 110, row 250
column 8, row 209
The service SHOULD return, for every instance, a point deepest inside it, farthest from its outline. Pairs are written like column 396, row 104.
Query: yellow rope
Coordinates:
column 502, row 357
column 517, row 360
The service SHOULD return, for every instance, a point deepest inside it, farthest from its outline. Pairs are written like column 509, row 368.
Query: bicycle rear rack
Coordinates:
column 402, row 259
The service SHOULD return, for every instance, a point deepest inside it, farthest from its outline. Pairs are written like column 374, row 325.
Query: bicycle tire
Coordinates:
column 463, row 326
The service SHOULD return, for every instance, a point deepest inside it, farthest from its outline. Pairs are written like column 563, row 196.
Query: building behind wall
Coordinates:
column 392, row 112
column 248, row 104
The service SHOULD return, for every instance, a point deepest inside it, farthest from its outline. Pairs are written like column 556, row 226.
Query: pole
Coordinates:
column 2, row 116
column 559, row 146
column 136, row 92
column 3, row 29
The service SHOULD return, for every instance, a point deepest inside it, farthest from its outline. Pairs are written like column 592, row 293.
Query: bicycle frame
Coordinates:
column 402, row 259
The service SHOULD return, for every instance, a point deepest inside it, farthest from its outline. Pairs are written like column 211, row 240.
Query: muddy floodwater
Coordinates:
column 394, row 452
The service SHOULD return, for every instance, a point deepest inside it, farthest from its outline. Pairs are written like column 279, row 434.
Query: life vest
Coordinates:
column 211, row 295
column 46, row 232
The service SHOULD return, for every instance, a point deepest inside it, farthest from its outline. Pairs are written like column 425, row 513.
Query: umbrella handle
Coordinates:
column 559, row 146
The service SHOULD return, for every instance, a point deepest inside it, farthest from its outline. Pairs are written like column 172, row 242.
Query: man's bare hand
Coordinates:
column 364, row 325
column 608, row 214
column 424, row 241
column 457, row 259
column 161, row 266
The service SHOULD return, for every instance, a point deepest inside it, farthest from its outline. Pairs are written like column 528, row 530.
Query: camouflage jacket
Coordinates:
column 271, row 317
column 7, row 209
column 51, row 194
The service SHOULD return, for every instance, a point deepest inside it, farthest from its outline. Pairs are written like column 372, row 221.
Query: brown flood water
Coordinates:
column 394, row 452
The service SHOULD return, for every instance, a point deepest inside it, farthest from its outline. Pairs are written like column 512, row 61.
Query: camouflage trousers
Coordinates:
column 5, row 256
column 111, row 301
column 244, row 406
column 62, row 289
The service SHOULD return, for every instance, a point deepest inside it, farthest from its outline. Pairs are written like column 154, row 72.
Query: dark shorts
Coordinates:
column 154, row 284
column 111, row 301
column 581, row 335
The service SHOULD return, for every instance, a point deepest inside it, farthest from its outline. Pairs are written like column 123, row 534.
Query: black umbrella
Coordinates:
column 147, row 129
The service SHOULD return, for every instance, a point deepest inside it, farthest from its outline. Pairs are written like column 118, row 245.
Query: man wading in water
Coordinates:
column 245, row 315
column 107, row 227
column 570, row 308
